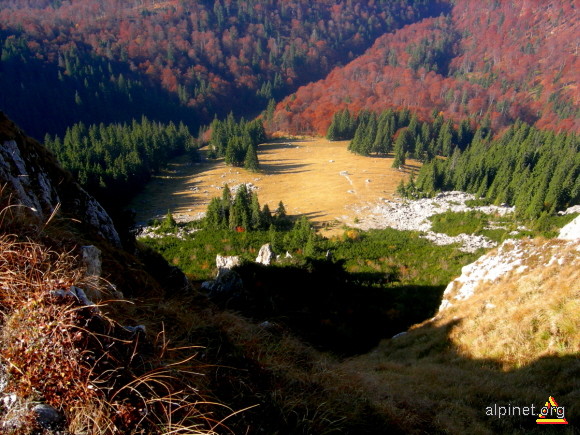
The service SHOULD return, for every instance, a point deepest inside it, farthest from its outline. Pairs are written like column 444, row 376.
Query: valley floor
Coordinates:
column 313, row 177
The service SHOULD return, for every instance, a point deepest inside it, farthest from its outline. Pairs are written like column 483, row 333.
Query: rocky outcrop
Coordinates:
column 266, row 255
column 514, row 257
column 226, row 263
column 414, row 216
column 227, row 282
column 38, row 183
column 571, row 231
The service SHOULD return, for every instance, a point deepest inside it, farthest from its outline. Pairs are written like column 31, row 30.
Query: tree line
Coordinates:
column 114, row 161
column 401, row 133
column 535, row 170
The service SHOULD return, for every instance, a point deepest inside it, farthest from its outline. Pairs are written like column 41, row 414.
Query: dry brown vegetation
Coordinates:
column 55, row 350
column 303, row 173
column 515, row 341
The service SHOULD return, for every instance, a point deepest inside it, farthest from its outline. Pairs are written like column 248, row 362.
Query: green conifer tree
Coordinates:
column 251, row 160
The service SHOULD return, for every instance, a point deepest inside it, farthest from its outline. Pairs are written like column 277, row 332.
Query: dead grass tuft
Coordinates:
column 102, row 377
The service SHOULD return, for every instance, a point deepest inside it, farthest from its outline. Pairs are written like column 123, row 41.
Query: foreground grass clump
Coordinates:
column 99, row 376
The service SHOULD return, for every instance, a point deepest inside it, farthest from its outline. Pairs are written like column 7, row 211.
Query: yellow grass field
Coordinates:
column 313, row 177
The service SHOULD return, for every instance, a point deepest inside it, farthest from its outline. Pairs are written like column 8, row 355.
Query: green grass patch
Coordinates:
column 455, row 223
column 549, row 226
column 504, row 227
column 377, row 258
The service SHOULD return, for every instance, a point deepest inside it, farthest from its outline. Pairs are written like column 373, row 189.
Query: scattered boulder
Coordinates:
column 225, row 264
column 570, row 210
column 266, row 255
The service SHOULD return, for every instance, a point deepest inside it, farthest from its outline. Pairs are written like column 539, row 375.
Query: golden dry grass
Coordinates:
column 303, row 173
column 543, row 301
column 515, row 341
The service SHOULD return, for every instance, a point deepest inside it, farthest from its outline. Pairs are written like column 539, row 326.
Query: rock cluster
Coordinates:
column 513, row 256
column 489, row 267
column 414, row 216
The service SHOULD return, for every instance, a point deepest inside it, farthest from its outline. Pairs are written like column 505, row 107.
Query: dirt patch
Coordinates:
column 313, row 177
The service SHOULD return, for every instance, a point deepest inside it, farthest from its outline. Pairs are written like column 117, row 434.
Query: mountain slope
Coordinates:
column 505, row 336
column 506, row 60
column 37, row 182
column 513, row 342
column 210, row 56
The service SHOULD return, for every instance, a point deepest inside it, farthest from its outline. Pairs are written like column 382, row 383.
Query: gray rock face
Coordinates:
column 92, row 260
column 40, row 184
column 266, row 255
column 227, row 281
column 414, row 215
column 93, row 264
column 225, row 264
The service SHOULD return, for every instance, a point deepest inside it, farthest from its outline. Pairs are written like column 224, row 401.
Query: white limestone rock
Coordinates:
column 265, row 255
column 571, row 231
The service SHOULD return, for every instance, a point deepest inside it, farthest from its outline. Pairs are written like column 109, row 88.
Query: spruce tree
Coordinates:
column 240, row 214
column 251, row 160
column 255, row 213
column 266, row 216
column 214, row 217
column 332, row 132
column 280, row 211
column 310, row 247
column 168, row 224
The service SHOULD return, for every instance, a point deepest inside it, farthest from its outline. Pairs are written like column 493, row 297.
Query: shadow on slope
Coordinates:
column 346, row 313
column 424, row 376
column 86, row 88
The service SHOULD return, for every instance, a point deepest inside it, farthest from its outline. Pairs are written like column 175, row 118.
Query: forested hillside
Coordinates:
column 537, row 171
column 113, row 162
column 97, row 60
column 506, row 60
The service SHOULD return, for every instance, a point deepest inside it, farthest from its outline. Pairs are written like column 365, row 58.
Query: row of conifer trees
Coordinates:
column 538, row 171
column 400, row 133
column 116, row 160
